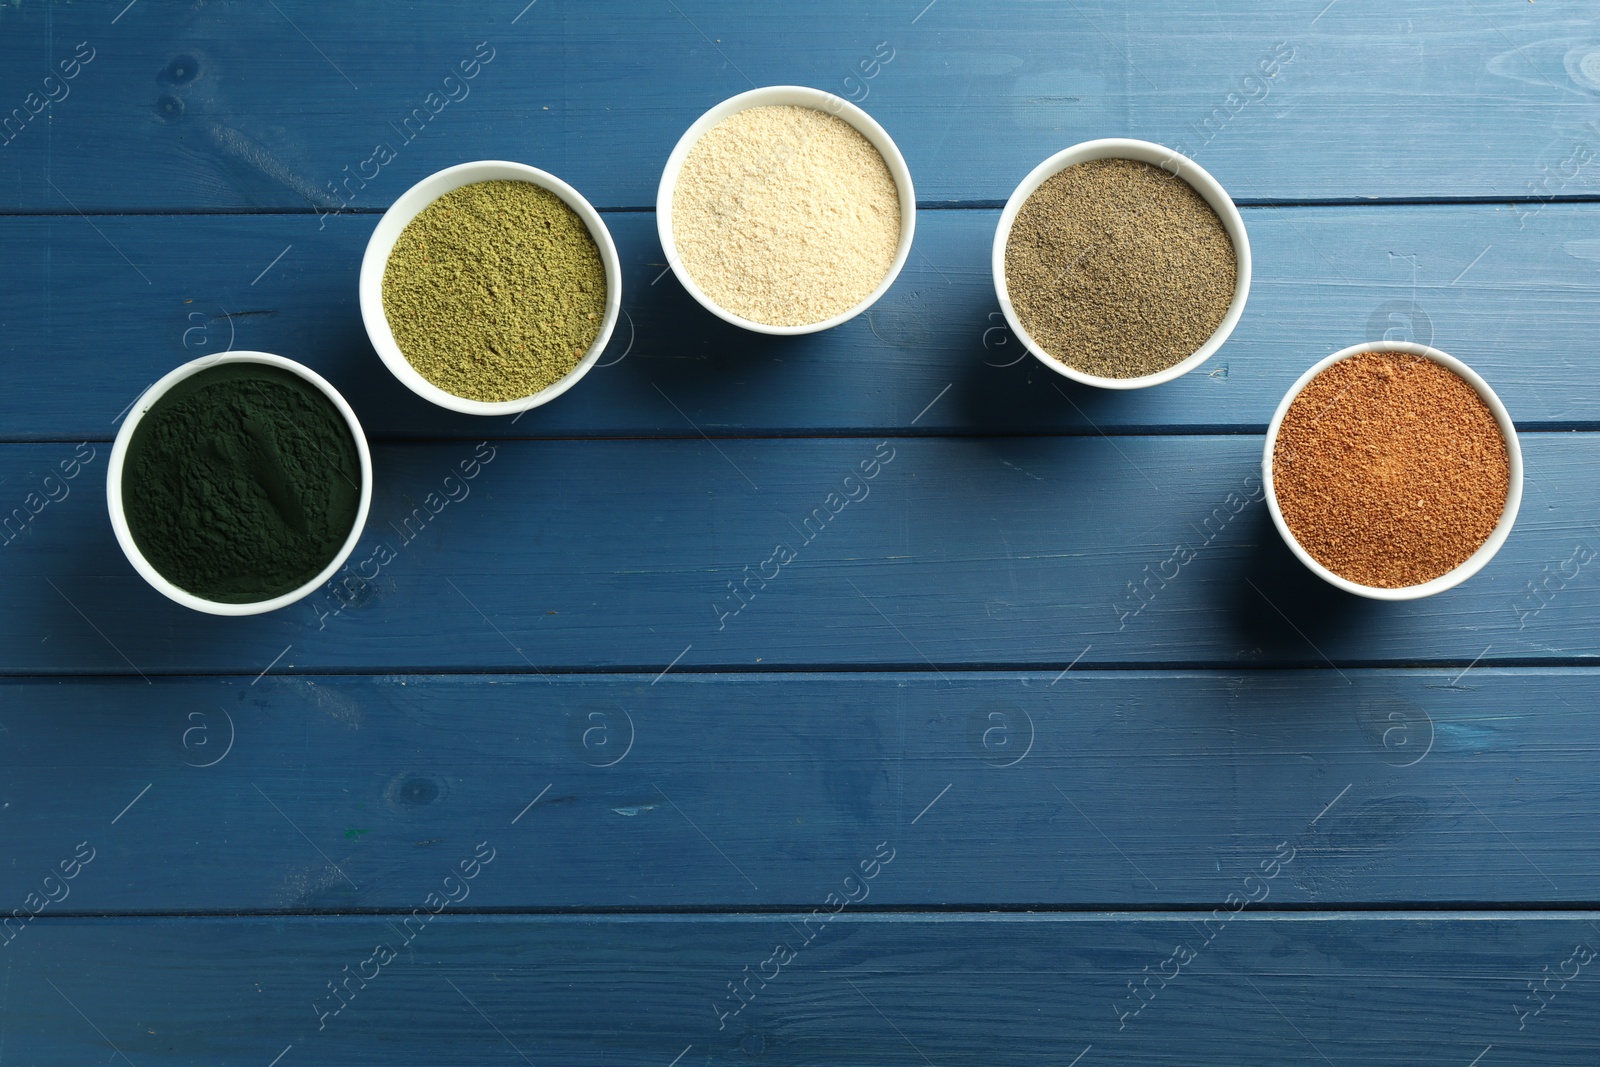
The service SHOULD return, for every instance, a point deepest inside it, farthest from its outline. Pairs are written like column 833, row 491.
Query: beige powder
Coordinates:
column 785, row 215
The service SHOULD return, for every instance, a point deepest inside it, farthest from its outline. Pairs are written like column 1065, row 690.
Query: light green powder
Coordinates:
column 495, row 291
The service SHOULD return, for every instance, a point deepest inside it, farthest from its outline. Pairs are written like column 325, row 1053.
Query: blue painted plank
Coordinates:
column 275, row 106
column 1384, row 989
column 1096, row 789
column 744, row 788
column 1512, row 297
column 958, row 553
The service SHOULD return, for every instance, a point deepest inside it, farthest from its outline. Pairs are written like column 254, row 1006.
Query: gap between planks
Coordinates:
column 1269, row 203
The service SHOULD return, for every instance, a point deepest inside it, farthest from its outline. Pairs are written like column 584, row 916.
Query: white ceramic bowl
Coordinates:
column 1473, row 563
column 1173, row 163
column 408, row 207
column 771, row 96
column 119, row 452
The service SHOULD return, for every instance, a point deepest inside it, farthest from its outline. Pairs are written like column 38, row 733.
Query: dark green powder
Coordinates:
column 241, row 483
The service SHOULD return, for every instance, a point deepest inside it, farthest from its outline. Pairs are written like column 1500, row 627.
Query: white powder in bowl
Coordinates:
column 785, row 215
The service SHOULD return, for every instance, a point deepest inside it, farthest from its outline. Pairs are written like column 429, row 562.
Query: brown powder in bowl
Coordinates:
column 1390, row 469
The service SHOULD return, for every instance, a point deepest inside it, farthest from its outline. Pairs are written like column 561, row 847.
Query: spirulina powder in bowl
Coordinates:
column 495, row 290
column 1118, row 268
column 241, row 483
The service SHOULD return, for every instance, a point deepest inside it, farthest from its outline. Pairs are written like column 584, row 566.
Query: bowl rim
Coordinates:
column 803, row 96
column 1178, row 165
column 410, row 204
column 119, row 452
column 1467, row 567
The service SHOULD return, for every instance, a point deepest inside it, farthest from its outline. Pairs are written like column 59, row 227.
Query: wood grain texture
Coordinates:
column 264, row 106
column 1093, row 789
column 1513, row 297
column 538, row 649
column 620, row 555
column 1335, row 988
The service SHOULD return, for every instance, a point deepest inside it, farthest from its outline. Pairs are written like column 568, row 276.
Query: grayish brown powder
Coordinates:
column 1119, row 269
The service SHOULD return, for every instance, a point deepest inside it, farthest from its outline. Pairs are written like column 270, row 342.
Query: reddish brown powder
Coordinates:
column 1390, row 470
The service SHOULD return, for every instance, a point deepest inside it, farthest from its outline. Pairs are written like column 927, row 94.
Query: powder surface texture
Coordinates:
column 1118, row 268
column 1390, row 470
column 241, row 483
column 495, row 290
column 785, row 215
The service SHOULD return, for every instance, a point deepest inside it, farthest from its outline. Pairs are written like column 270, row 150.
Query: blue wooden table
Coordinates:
column 981, row 776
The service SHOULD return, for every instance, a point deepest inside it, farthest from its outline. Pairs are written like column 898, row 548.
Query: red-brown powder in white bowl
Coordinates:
column 1390, row 470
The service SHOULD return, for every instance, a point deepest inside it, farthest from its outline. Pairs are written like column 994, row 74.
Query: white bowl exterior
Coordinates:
column 803, row 96
column 409, row 206
column 1473, row 563
column 119, row 452
column 1173, row 163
